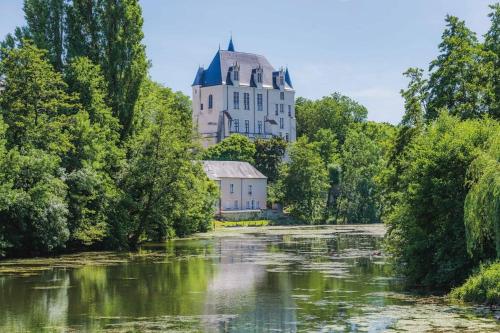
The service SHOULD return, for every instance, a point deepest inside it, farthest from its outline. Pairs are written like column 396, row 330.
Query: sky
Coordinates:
column 359, row 48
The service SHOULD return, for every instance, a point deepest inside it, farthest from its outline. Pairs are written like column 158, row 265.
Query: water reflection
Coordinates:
column 301, row 279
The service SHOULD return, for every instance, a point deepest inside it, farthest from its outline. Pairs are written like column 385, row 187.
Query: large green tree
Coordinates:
column 166, row 192
column 335, row 112
column 492, row 44
column 482, row 204
column 426, row 232
column 304, row 183
column 35, row 104
column 108, row 32
column 461, row 77
column 45, row 21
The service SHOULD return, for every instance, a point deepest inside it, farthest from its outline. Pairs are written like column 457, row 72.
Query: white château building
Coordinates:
column 243, row 93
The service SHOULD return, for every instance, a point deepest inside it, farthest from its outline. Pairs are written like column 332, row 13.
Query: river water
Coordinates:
column 267, row 279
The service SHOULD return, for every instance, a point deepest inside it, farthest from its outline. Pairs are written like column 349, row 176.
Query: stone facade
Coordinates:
column 242, row 93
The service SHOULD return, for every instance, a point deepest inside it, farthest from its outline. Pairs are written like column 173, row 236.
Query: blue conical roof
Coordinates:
column 231, row 45
column 288, row 79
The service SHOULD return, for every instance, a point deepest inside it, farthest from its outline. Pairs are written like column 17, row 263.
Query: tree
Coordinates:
column 165, row 192
column 482, row 204
column 461, row 77
column 95, row 158
column 109, row 33
column 361, row 161
column 236, row 147
column 45, row 27
column 33, row 211
column 36, row 106
column 269, row 155
column 304, row 183
column 334, row 112
column 426, row 232
column 492, row 44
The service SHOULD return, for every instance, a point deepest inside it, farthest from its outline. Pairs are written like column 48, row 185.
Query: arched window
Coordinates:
column 210, row 101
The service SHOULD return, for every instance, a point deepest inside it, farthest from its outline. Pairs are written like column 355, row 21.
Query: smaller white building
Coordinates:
column 241, row 186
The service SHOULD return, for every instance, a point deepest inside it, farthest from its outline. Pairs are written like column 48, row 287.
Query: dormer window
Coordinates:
column 259, row 77
column 236, row 75
column 282, row 80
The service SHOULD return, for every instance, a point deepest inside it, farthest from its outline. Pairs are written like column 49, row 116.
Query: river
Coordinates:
column 278, row 279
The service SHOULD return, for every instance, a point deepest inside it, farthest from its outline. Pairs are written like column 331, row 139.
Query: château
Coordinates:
column 243, row 93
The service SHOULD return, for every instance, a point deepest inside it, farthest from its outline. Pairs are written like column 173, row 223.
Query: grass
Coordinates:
column 483, row 287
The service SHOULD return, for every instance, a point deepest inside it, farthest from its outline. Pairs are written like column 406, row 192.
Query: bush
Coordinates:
column 481, row 287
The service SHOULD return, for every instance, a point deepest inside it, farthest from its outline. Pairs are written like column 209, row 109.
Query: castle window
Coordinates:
column 236, row 123
column 282, row 108
column 259, row 77
column 201, row 106
column 247, row 126
column 210, row 101
column 250, row 189
column 287, row 138
column 259, row 126
column 231, row 188
column 282, row 81
column 282, row 95
column 236, row 100
column 276, row 109
column 246, row 101
column 282, row 123
column 236, row 75
column 260, row 104
column 289, row 110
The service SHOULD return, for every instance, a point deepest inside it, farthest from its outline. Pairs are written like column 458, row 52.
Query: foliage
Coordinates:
column 426, row 230
column 35, row 103
column 304, row 182
column 33, row 211
column 268, row 156
column 461, row 77
column 108, row 33
column 361, row 161
column 481, row 287
column 45, row 19
column 165, row 193
column 236, row 147
column 492, row 44
column 334, row 112
column 482, row 204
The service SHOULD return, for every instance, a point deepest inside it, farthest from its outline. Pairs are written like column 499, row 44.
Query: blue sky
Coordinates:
column 359, row 48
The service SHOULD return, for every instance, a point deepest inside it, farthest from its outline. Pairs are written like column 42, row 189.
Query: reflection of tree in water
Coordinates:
column 92, row 296
column 296, row 280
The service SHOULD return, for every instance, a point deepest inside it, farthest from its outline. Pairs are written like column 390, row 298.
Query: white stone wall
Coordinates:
column 241, row 193
column 207, row 120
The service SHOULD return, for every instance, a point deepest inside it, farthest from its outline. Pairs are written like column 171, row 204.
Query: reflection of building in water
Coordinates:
column 258, row 299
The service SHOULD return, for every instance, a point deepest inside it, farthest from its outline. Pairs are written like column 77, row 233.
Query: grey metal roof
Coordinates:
column 231, row 169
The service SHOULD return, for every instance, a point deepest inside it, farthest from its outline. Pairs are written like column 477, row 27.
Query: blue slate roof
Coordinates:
column 288, row 80
column 231, row 45
column 222, row 63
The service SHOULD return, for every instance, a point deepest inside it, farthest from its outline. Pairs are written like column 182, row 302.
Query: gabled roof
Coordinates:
column 216, row 170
